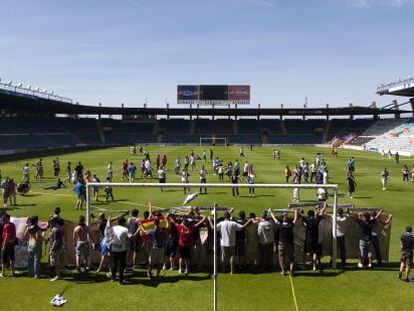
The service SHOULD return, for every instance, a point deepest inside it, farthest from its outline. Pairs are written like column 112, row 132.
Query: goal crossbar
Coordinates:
column 218, row 185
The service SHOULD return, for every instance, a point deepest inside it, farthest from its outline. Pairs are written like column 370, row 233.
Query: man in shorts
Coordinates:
column 228, row 229
column 366, row 224
column 156, row 258
column 81, row 240
column 134, row 241
column 7, row 245
column 161, row 176
column 286, row 242
column 406, row 260
column 56, row 245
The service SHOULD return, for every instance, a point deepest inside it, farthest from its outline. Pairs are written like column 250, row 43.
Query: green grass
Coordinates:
column 350, row 290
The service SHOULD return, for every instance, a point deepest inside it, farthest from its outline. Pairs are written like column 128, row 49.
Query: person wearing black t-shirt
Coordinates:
column 312, row 245
column 286, row 242
column 406, row 260
column 235, row 180
column 366, row 224
column 241, row 240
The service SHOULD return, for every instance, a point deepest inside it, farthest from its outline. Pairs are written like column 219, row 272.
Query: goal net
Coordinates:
column 213, row 141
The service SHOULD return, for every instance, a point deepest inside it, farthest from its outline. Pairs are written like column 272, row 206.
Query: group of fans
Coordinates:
column 251, row 240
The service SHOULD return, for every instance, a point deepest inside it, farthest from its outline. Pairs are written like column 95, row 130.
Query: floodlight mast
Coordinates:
column 198, row 185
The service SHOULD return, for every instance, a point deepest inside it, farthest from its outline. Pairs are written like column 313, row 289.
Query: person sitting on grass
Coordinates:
column 366, row 224
column 59, row 184
column 407, row 245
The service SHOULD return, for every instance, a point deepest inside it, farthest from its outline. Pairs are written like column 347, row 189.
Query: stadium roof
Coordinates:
column 400, row 88
column 12, row 103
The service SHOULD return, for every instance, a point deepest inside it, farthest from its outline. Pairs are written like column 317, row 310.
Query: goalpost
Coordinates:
column 334, row 187
column 213, row 141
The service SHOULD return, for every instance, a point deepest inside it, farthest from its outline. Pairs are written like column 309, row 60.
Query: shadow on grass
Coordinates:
column 32, row 195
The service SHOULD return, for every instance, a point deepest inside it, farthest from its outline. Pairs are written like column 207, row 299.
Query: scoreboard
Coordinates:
column 213, row 94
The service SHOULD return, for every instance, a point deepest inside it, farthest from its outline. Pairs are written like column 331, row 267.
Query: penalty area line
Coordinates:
column 293, row 293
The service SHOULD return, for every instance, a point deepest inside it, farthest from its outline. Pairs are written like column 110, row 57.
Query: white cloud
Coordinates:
column 377, row 3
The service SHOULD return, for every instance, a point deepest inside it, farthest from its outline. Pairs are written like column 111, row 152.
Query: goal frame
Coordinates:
column 334, row 187
column 213, row 139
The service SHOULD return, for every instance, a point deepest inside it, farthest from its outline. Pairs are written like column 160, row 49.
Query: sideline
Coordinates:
column 293, row 293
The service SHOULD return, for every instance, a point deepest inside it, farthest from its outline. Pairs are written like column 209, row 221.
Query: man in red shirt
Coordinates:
column 185, row 241
column 8, row 244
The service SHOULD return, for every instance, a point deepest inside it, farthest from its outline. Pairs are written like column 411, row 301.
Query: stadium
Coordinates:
column 209, row 201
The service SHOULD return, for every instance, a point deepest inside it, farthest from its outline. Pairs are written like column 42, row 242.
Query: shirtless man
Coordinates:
column 81, row 240
column 35, row 234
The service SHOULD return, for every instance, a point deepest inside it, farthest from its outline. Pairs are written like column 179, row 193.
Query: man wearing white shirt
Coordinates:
column 119, row 250
column 227, row 229
column 340, row 235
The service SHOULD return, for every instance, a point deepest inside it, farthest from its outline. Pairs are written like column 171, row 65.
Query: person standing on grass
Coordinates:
column 228, row 229
column 285, row 241
column 5, row 185
column 405, row 173
column 8, row 244
column 171, row 246
column 288, row 174
column 376, row 243
column 340, row 235
column 351, row 165
column 211, row 154
column 296, row 180
column 397, row 158
column 252, row 243
column 161, row 176
column 246, row 168
column 95, row 188
column 108, row 191
column 366, row 224
column 204, row 156
column 12, row 195
column 185, row 241
column 235, row 180
column 220, row 172
column 26, row 173
column 185, row 179
column 192, row 162
column 177, row 165
column 119, row 250
column 134, row 240
column 241, row 241
column 156, row 258
column 312, row 245
column 266, row 233
column 351, row 184
column 80, row 191
column 56, row 247
column 132, row 171
column 35, row 234
column 412, row 173
column 406, row 259
column 125, row 169
column 81, row 240
column 203, row 179
column 251, row 179
column 241, row 152
column 384, row 178
column 110, row 171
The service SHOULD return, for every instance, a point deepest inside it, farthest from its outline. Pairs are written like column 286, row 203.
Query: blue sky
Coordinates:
column 333, row 51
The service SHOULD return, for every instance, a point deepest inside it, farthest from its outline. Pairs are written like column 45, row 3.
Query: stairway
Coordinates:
column 66, row 130
column 284, row 129
column 101, row 131
column 326, row 134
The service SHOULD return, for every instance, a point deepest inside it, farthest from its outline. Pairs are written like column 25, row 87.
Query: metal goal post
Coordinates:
column 209, row 141
column 334, row 187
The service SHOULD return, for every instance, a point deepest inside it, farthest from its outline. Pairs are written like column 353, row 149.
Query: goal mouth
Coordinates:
column 213, row 141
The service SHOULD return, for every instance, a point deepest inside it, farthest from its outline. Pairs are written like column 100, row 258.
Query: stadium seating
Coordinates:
column 42, row 133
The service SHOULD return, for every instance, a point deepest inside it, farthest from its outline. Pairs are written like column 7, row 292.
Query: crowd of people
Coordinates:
column 248, row 242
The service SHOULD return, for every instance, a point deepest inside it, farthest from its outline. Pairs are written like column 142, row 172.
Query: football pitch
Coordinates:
column 352, row 289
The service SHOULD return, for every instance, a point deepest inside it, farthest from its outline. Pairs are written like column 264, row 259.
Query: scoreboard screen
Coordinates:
column 213, row 92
